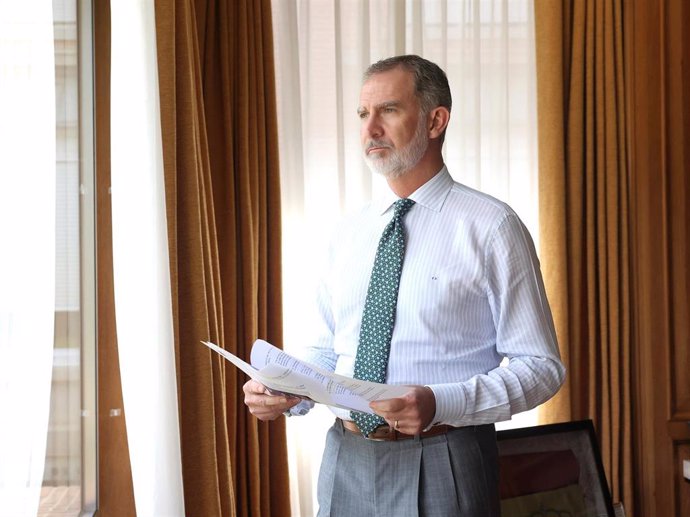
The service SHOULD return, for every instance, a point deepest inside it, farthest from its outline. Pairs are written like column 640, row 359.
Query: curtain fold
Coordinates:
column 584, row 223
column 223, row 204
column 28, row 257
column 141, row 263
column 115, row 490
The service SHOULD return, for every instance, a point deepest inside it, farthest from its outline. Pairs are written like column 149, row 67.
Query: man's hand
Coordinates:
column 263, row 405
column 412, row 412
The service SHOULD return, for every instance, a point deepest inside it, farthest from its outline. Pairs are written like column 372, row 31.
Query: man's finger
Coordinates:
column 387, row 405
column 273, row 400
column 251, row 387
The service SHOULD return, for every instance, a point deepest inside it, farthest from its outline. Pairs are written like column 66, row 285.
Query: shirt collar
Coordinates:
column 431, row 195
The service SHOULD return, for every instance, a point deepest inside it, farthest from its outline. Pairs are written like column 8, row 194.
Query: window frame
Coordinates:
column 87, row 234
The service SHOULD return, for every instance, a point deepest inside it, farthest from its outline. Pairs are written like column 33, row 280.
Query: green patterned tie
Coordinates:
column 379, row 311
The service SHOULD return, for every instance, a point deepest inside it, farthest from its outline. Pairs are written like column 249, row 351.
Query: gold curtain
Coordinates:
column 115, row 488
column 584, row 221
column 218, row 117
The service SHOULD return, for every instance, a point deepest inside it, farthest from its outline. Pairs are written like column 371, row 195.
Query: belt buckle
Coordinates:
column 390, row 434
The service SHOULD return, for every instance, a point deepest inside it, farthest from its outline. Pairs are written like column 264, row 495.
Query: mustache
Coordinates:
column 377, row 143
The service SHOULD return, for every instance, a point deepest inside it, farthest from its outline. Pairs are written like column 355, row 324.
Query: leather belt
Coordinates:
column 384, row 433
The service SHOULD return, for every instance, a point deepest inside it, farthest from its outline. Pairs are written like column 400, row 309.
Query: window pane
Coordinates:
column 61, row 493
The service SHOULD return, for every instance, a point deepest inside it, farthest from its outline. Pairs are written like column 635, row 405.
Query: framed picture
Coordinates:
column 553, row 470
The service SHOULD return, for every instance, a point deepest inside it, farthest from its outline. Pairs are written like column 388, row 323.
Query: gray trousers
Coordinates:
column 455, row 474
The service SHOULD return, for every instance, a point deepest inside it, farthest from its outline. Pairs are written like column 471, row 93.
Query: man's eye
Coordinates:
column 363, row 114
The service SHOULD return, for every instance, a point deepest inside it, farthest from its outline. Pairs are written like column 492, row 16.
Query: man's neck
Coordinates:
column 406, row 184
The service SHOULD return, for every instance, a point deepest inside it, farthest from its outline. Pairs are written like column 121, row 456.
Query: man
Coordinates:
column 451, row 289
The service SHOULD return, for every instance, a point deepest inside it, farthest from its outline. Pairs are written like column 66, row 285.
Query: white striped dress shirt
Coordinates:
column 471, row 293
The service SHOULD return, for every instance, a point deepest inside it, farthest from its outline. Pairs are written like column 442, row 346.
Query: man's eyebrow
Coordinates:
column 388, row 104
column 380, row 106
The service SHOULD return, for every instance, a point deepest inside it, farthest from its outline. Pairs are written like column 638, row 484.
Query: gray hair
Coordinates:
column 431, row 83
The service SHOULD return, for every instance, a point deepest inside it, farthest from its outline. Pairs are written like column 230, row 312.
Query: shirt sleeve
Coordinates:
column 525, row 335
column 320, row 350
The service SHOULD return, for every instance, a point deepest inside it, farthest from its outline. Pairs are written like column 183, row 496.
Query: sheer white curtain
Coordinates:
column 322, row 47
column 140, row 259
column 27, row 259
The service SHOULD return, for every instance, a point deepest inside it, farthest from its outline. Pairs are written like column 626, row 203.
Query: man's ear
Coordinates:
column 438, row 121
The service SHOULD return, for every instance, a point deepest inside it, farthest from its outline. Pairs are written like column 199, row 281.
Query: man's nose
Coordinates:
column 372, row 128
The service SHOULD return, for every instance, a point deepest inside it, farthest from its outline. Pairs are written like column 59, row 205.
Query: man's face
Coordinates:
column 393, row 129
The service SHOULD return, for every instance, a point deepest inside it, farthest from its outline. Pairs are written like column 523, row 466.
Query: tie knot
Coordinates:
column 401, row 207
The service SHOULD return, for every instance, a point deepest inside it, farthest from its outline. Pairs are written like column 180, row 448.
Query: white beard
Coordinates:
column 398, row 162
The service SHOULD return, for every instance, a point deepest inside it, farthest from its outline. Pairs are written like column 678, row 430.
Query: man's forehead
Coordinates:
column 395, row 85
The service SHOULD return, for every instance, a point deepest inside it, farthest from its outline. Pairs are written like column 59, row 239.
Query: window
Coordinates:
column 69, row 487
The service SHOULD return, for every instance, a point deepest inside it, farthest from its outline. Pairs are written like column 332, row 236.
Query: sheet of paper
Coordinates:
column 281, row 372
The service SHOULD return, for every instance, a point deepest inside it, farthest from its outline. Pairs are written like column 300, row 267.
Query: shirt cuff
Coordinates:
column 451, row 403
column 300, row 409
